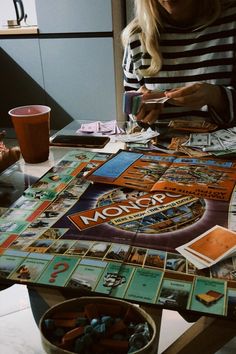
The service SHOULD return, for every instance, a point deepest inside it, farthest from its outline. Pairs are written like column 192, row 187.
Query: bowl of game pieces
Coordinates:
column 97, row 325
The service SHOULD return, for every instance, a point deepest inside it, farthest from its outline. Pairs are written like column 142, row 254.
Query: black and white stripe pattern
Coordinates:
column 203, row 55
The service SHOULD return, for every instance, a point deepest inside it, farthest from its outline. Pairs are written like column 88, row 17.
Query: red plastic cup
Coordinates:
column 32, row 125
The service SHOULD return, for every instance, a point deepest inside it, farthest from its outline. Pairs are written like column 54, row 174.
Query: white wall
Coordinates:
column 7, row 12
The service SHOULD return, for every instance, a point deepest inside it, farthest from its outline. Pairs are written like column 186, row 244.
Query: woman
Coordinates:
column 184, row 50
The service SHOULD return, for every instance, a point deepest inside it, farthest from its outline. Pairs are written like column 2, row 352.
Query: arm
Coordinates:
column 132, row 81
column 221, row 101
column 228, row 116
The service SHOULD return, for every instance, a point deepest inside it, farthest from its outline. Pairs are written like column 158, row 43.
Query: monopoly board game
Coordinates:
column 67, row 231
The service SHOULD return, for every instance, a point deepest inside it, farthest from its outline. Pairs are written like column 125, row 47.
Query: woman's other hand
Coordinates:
column 197, row 96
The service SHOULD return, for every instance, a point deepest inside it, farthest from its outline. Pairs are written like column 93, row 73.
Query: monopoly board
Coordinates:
column 67, row 231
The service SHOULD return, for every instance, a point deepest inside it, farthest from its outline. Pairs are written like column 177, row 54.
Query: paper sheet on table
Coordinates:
column 209, row 248
column 106, row 128
column 157, row 100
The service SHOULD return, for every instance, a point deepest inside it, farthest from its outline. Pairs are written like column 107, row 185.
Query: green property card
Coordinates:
column 12, row 226
column 59, row 270
column 29, row 270
column 174, row 293
column 8, row 264
column 16, row 214
column 144, row 285
column 125, row 275
column 85, row 276
column 209, row 296
column 114, row 279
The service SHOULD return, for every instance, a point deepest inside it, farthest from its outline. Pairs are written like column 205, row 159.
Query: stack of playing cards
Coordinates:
column 132, row 101
column 142, row 137
column 219, row 143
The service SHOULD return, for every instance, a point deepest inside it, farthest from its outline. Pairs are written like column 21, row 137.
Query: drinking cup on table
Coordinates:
column 31, row 125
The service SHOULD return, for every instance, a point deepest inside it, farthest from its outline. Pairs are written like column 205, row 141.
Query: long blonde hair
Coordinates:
column 148, row 22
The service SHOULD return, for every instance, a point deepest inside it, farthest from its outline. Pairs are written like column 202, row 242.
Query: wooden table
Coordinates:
column 206, row 335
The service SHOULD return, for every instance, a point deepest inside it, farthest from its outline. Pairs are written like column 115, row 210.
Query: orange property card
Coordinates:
column 213, row 244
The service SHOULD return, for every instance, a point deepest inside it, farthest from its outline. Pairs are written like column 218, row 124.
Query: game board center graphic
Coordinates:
column 166, row 212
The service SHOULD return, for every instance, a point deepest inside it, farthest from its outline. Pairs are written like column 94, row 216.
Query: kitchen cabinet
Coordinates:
column 73, row 63
column 71, row 16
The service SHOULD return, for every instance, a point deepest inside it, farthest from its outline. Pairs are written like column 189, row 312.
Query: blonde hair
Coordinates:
column 148, row 22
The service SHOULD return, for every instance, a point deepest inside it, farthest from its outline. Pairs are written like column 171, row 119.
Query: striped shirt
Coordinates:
column 203, row 55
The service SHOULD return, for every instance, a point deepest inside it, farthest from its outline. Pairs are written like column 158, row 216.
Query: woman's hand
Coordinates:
column 197, row 96
column 149, row 112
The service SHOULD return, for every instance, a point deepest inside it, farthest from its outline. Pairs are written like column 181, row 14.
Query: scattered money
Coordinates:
column 219, row 143
column 198, row 126
column 107, row 128
column 203, row 139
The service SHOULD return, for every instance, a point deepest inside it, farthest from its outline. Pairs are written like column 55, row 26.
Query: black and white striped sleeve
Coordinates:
column 131, row 64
